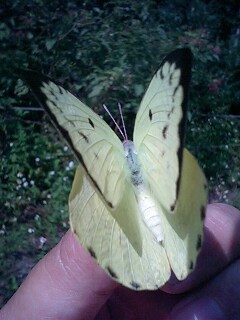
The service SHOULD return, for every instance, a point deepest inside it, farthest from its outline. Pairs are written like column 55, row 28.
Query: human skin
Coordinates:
column 68, row 284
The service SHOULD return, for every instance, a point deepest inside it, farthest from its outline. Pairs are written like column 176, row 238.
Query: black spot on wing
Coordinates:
column 161, row 73
column 203, row 212
column 162, row 153
column 191, row 265
column 135, row 285
column 172, row 207
column 83, row 136
column 150, row 114
column 175, row 90
column 92, row 252
column 61, row 90
column 90, row 122
column 164, row 132
column 205, row 186
column 170, row 112
column 199, row 242
column 170, row 79
column 112, row 273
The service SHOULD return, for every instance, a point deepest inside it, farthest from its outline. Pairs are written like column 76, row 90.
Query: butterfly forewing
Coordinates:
column 97, row 149
column 159, row 126
column 93, row 142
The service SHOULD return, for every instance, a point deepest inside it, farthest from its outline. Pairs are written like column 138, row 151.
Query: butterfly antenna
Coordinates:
column 123, row 123
column 109, row 113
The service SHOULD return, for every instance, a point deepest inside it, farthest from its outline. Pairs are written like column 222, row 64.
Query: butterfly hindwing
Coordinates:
column 99, row 233
column 183, row 230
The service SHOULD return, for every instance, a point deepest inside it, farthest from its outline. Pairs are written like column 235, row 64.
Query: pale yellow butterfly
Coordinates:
column 137, row 207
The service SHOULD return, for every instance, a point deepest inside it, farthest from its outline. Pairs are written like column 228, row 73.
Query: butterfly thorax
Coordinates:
column 133, row 163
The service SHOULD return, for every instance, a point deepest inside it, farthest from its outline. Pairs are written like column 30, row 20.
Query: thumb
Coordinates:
column 65, row 284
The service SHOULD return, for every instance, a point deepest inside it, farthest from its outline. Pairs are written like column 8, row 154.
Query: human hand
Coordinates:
column 68, row 284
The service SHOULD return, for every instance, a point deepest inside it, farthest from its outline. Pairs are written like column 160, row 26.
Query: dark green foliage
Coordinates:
column 105, row 52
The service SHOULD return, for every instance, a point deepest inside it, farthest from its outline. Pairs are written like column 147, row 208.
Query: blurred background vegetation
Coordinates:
column 104, row 52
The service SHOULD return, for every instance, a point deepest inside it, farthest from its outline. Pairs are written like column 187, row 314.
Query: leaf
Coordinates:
column 95, row 91
column 138, row 89
column 50, row 43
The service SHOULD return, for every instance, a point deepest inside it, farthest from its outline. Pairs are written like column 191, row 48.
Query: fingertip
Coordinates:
column 78, row 264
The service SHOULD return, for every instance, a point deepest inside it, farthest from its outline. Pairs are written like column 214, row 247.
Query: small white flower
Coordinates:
column 30, row 230
column 37, row 217
column 65, row 148
column 32, row 182
column 44, row 202
column 71, row 164
column 49, row 196
column 10, row 144
column 19, row 175
column 25, row 184
column 37, row 159
column 52, row 173
column 42, row 241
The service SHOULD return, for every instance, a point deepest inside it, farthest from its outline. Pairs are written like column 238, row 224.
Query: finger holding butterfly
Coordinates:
column 66, row 284
column 220, row 247
column 79, row 288
column 218, row 299
column 210, row 292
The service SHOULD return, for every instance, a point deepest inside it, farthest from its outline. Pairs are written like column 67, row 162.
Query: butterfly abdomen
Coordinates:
column 146, row 203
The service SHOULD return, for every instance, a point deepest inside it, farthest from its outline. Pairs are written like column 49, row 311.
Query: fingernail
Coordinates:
column 199, row 309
